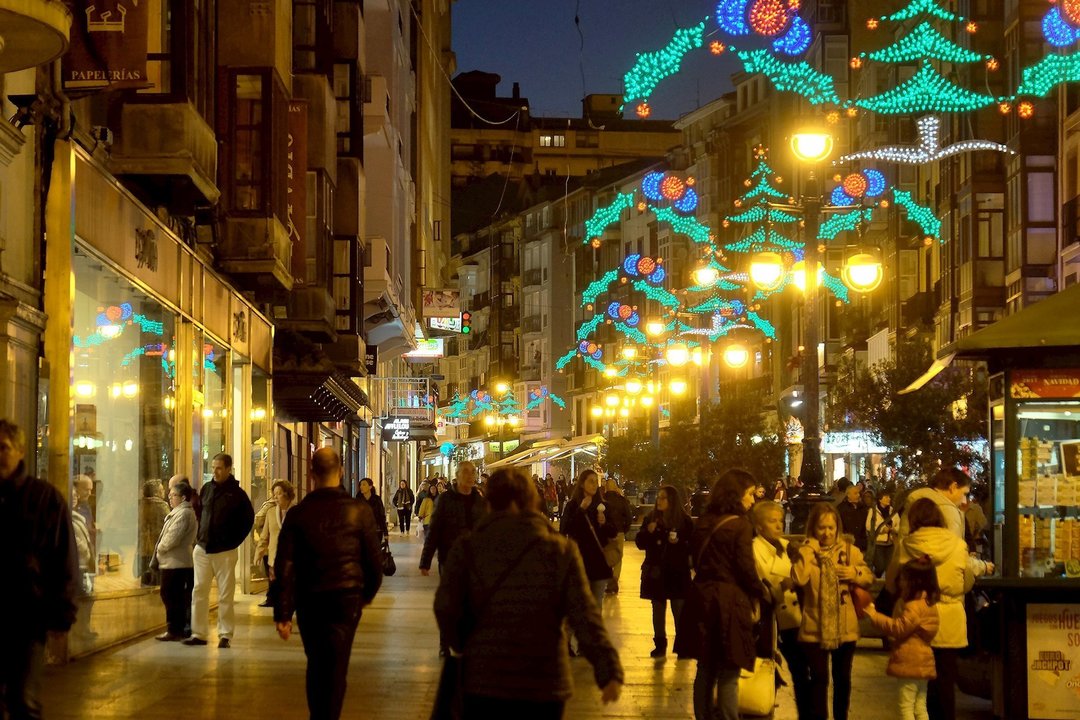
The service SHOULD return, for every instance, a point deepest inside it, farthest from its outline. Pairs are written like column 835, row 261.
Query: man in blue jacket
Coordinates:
column 227, row 518
column 40, row 571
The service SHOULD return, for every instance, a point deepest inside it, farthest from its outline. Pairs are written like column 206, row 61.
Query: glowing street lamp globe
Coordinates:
column 798, row 275
column 863, row 272
column 767, row 271
column 501, row 388
column 633, row 386
column 655, row 327
column 706, row 275
column 678, row 354
column 677, row 387
column 597, row 411
column 736, row 356
column 612, row 400
column 629, row 353
column 812, row 145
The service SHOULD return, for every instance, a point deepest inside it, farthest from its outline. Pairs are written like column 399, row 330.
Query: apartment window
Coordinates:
column 249, row 158
column 180, row 52
column 256, row 136
column 588, row 139
column 313, row 24
column 550, row 140
column 347, row 97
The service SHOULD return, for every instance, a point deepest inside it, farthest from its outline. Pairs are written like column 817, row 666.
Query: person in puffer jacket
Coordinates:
column 929, row 536
column 912, row 630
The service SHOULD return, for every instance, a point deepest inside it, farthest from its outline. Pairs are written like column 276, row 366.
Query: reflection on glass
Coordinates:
column 123, row 387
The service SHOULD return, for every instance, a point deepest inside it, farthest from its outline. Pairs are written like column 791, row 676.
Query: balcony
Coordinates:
column 348, row 354
column 533, row 278
column 254, row 250
column 919, row 309
column 311, row 312
column 532, row 324
column 389, row 320
column 168, row 141
column 376, row 104
column 34, row 31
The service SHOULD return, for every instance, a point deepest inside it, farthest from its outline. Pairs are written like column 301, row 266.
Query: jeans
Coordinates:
column 209, row 566
column 327, row 627
column 659, row 624
column 795, row 658
column 941, row 693
column 21, row 665
column 176, row 596
column 716, row 691
column 482, row 707
column 818, row 661
column 913, row 700
column 404, row 518
column 598, row 587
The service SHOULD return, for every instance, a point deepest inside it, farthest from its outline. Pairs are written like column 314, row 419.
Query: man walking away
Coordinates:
column 227, row 518
column 328, row 567
column 619, row 515
column 39, row 568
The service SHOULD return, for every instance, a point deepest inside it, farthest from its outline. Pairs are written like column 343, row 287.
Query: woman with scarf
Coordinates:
column 827, row 566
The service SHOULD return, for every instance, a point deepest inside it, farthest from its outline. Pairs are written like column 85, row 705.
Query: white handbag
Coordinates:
column 757, row 689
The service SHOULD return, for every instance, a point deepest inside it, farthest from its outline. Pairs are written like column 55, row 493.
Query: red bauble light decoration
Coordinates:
column 643, row 110
column 595, row 242
column 1071, row 10
column 625, row 311
column 1025, row 110
column 646, row 265
column 768, row 17
column 592, row 348
column 717, row 48
column 856, row 184
column 672, row 187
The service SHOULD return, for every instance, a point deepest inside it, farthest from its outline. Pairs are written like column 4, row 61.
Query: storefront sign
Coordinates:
column 371, row 359
column 442, row 303
column 296, row 200
column 397, row 429
column 146, row 255
column 426, row 349
column 108, row 45
column 1048, row 384
column 449, row 324
column 1053, row 661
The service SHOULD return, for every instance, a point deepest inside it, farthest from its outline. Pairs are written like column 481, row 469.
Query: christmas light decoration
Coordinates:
column 731, row 17
column 839, row 197
column 928, row 149
column 924, row 42
column 768, row 17
column 1058, row 31
column 597, row 287
column 672, row 187
column 589, row 327
column 688, row 202
column 923, row 7
column 799, row 78
column 650, row 186
column 656, row 294
column 540, row 395
column 651, row 68
column 1071, row 8
column 918, row 214
column 683, row 225
column 1042, row 77
column 926, row 91
column 796, row 40
column 839, row 222
column 607, row 215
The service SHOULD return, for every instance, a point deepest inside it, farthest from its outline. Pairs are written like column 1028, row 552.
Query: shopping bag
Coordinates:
column 757, row 689
column 389, row 567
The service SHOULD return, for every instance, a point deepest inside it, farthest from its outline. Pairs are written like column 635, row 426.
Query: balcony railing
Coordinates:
column 533, row 277
column 532, row 324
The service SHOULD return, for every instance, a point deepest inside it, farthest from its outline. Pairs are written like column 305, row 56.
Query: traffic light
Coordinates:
column 466, row 323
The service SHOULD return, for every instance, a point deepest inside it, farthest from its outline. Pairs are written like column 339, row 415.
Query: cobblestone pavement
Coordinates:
column 394, row 668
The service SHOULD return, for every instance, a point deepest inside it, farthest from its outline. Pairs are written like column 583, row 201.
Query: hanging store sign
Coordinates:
column 442, row 303
column 449, row 324
column 371, row 359
column 397, row 429
column 296, row 199
column 1057, row 384
column 426, row 349
column 108, row 45
column 1053, row 661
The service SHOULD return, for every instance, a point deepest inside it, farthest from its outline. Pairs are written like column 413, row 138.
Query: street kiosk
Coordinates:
column 1033, row 363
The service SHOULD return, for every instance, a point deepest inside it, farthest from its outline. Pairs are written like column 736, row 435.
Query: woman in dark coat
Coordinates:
column 368, row 495
column 717, row 625
column 665, row 537
column 585, row 522
column 507, row 594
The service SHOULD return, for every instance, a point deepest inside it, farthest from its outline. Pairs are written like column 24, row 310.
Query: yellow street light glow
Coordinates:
column 633, row 386
column 258, row 414
column 611, row 372
column 597, row 411
column 116, row 389
column 811, row 145
column 501, row 388
column 677, row 387
column 798, row 275
column 625, row 412
column 490, row 421
column 863, row 272
column 706, row 275
column 513, row 420
column 697, row 357
column 647, row 401
column 610, row 412
column 678, row 354
column 736, row 356
column 629, row 353
column 767, row 270
column 131, row 389
column 85, row 389
column 651, row 387
column 207, row 413
column 612, row 400
column 655, row 327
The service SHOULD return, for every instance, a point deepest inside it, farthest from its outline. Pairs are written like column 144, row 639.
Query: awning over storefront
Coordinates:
column 590, row 445
column 526, row 456
column 317, row 396
column 1050, row 324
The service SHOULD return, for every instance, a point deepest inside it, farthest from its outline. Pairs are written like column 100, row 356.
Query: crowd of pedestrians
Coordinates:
column 518, row 595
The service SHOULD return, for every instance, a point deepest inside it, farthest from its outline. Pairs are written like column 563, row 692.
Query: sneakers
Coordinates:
column 224, row 643
column 194, row 641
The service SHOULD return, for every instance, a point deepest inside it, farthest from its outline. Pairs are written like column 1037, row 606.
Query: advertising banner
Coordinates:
column 1057, row 384
column 442, row 303
column 296, row 160
column 1053, row 661
column 108, row 45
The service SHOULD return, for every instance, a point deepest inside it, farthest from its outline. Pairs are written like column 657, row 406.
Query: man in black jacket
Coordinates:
column 456, row 512
column 40, row 571
column 328, row 567
column 227, row 518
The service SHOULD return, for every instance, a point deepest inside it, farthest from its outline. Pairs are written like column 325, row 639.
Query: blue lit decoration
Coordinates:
column 796, row 40
column 446, row 449
column 688, row 202
column 540, row 395
column 731, row 17
column 868, row 184
column 841, row 198
column 650, row 186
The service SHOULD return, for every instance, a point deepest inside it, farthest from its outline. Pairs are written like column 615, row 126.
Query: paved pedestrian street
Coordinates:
column 395, row 667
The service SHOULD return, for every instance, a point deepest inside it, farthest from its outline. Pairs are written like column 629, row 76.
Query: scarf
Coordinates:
column 829, row 601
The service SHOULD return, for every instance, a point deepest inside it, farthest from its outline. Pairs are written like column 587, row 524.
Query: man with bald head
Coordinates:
column 328, row 567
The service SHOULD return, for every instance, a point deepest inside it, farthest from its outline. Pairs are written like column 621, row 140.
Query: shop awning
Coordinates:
column 537, row 448
column 588, row 444
column 317, row 396
column 1052, row 323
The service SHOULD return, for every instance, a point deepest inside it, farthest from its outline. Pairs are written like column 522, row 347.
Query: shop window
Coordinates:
column 214, row 357
column 124, row 385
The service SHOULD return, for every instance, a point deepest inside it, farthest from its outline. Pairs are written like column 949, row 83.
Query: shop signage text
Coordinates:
column 1053, row 661
column 296, row 196
column 108, row 45
column 397, row 429
column 1050, row 384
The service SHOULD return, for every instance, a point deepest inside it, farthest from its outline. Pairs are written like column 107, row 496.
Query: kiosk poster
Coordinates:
column 1044, row 384
column 1053, row 661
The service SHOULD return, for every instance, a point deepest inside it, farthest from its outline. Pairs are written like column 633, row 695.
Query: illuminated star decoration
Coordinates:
column 541, row 394
column 927, row 150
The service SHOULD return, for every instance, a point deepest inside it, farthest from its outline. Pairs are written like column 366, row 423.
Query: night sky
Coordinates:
column 535, row 43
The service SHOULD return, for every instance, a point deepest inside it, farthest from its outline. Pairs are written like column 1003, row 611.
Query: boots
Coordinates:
column 661, row 648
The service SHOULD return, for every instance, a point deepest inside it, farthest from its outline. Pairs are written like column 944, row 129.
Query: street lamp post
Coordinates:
column 811, row 146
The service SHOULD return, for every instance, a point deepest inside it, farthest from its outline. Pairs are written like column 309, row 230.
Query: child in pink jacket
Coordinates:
column 915, row 625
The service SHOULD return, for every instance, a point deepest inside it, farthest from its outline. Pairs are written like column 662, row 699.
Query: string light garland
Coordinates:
column 607, row 215
column 923, row 7
column 652, row 68
column 540, row 395
column 919, row 214
column 924, row 42
column 926, row 91
column 839, row 222
column 1042, row 77
column 799, row 78
column 684, row 225
column 927, row 150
